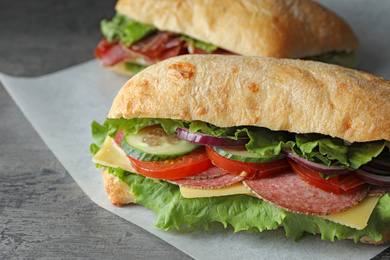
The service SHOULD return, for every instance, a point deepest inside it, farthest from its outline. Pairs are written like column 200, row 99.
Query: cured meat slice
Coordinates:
column 153, row 45
column 214, row 183
column 210, row 173
column 288, row 191
column 378, row 190
column 110, row 53
column 153, row 48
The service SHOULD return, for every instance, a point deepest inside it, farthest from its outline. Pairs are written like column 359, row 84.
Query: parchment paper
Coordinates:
column 62, row 105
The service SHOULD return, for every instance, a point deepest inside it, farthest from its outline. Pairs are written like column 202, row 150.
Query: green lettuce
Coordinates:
column 334, row 151
column 172, row 209
column 134, row 68
column 263, row 142
column 99, row 133
column 207, row 47
column 125, row 29
column 242, row 212
column 348, row 60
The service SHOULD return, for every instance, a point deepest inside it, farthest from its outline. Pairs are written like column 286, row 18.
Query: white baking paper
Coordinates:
column 62, row 105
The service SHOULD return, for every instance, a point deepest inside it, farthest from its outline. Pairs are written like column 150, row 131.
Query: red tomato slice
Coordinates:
column 103, row 47
column 247, row 170
column 336, row 185
column 187, row 165
column 118, row 137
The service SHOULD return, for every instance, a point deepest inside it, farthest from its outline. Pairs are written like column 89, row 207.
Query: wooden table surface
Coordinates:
column 43, row 212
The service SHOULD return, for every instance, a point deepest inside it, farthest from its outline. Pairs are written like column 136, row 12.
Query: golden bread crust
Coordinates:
column 117, row 191
column 279, row 94
column 385, row 239
column 266, row 28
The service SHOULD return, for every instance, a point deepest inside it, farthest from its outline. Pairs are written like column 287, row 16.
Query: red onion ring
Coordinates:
column 205, row 139
column 373, row 170
column 379, row 165
column 324, row 169
column 371, row 178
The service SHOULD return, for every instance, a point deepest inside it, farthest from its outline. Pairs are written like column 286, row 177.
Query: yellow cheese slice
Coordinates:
column 111, row 155
column 237, row 188
column 357, row 216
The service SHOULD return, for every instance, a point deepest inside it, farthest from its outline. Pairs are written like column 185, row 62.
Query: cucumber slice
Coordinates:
column 245, row 155
column 153, row 144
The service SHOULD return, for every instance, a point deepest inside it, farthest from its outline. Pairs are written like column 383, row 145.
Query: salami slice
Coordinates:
column 155, row 44
column 214, row 183
column 288, row 191
column 110, row 53
column 210, row 173
column 378, row 190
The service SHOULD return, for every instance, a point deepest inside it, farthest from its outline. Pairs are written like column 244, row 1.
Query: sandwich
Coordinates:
column 144, row 32
column 256, row 143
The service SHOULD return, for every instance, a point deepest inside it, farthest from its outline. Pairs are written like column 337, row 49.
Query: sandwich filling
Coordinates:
column 139, row 45
column 257, row 179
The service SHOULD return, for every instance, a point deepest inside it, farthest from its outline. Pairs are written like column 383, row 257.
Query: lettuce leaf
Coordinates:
column 207, row 47
column 264, row 142
column 134, row 68
column 242, row 212
column 173, row 210
column 131, row 126
column 99, row 133
column 348, row 60
column 333, row 151
column 125, row 29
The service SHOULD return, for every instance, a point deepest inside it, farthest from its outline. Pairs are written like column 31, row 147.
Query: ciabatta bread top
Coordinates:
column 279, row 94
column 266, row 28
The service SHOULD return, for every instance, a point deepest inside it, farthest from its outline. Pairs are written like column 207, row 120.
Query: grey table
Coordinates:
column 43, row 212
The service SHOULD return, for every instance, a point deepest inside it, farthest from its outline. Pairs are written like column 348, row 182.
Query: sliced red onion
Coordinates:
column 374, row 170
column 379, row 164
column 324, row 169
column 371, row 178
column 205, row 139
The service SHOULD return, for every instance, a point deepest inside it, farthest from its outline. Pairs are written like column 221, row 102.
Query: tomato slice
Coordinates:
column 247, row 170
column 336, row 185
column 118, row 137
column 187, row 165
